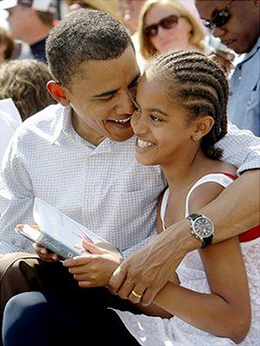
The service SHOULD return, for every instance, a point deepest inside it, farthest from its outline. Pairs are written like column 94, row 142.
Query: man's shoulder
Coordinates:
column 44, row 120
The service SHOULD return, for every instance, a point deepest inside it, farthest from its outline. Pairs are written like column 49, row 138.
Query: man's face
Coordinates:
column 241, row 30
column 101, row 98
column 18, row 21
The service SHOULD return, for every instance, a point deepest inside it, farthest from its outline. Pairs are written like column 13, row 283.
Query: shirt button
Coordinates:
column 90, row 200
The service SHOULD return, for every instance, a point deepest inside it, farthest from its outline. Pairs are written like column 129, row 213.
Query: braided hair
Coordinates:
column 200, row 85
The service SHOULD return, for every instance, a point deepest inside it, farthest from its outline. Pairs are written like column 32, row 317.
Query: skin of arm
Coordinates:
column 226, row 311
column 234, row 211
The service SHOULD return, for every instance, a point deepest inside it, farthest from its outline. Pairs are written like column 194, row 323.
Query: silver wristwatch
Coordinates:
column 202, row 228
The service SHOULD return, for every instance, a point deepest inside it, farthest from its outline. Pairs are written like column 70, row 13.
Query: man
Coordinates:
column 31, row 21
column 79, row 156
column 225, row 18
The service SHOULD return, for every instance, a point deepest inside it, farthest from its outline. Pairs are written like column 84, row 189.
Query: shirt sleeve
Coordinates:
column 16, row 202
column 241, row 148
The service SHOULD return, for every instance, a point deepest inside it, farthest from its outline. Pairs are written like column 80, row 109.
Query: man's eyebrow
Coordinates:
column 106, row 93
column 134, row 80
column 112, row 92
column 157, row 110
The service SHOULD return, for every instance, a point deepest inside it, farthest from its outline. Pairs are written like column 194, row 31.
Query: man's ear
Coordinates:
column 203, row 126
column 58, row 92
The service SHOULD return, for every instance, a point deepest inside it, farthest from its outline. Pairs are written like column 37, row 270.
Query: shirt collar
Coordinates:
column 62, row 125
column 253, row 50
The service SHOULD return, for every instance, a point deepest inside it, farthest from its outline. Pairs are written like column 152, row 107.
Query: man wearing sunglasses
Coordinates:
column 236, row 23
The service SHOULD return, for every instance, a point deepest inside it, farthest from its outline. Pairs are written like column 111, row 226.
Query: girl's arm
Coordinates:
column 226, row 311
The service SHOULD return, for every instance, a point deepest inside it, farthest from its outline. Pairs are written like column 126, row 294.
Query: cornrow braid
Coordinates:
column 201, row 86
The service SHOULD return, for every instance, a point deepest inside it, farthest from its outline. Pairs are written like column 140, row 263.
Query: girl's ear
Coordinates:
column 203, row 126
column 58, row 92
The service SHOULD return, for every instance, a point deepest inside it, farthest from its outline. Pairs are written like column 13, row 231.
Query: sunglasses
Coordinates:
column 165, row 23
column 220, row 19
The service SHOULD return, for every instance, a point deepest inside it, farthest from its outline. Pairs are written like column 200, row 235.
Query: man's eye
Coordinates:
column 107, row 98
column 155, row 118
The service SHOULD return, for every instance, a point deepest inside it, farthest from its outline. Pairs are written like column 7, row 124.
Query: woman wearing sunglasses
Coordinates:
column 169, row 25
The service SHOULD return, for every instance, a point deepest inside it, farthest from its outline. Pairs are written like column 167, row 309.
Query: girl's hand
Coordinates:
column 95, row 268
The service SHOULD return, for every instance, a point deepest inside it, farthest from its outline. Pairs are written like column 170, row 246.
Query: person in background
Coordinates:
column 130, row 12
column 24, row 81
column 225, row 18
column 7, row 45
column 23, row 93
column 31, row 21
column 109, row 6
column 169, row 25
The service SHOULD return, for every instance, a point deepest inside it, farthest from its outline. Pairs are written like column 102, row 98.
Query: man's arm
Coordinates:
column 235, row 210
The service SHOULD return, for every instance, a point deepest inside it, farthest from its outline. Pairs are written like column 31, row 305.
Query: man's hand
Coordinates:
column 224, row 59
column 95, row 268
column 148, row 269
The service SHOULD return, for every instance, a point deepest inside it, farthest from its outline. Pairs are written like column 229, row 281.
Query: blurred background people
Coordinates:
column 129, row 12
column 109, row 6
column 169, row 25
column 24, row 81
column 23, row 92
column 31, row 21
column 7, row 45
column 224, row 18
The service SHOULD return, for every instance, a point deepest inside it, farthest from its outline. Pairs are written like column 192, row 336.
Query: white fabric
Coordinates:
column 102, row 187
column 9, row 121
column 151, row 331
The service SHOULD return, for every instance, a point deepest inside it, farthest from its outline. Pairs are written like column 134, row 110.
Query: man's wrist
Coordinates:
column 182, row 238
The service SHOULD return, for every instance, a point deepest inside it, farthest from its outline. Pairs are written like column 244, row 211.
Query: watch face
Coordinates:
column 203, row 227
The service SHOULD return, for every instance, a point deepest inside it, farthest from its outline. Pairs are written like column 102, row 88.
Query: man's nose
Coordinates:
column 125, row 105
column 219, row 32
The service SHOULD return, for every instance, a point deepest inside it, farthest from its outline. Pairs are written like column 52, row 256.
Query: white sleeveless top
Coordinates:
column 156, row 331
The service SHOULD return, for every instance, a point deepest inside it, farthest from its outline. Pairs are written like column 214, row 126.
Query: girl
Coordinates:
column 180, row 114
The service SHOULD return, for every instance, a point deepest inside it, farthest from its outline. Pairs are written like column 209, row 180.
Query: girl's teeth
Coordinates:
column 143, row 144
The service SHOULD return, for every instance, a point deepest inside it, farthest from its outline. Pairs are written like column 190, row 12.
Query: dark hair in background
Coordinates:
column 46, row 17
column 10, row 45
column 24, row 81
column 200, row 86
column 81, row 36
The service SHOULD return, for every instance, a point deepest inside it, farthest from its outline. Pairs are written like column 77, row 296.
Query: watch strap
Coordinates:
column 206, row 241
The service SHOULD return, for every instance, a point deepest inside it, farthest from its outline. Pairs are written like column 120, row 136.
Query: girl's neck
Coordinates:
column 185, row 171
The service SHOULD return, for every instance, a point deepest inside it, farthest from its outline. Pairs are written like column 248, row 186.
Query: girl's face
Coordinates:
column 173, row 38
column 163, row 133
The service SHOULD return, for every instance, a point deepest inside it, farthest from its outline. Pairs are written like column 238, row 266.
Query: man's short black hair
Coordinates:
column 81, row 36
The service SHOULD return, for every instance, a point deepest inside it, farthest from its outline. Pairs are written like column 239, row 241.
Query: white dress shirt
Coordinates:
column 102, row 187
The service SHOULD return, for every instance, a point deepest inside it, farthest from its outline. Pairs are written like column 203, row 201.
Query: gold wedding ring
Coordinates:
column 139, row 296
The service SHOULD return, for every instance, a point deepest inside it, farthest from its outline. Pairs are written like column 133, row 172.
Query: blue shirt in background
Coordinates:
column 244, row 102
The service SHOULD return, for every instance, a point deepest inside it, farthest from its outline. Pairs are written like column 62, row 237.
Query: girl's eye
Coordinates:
column 155, row 118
